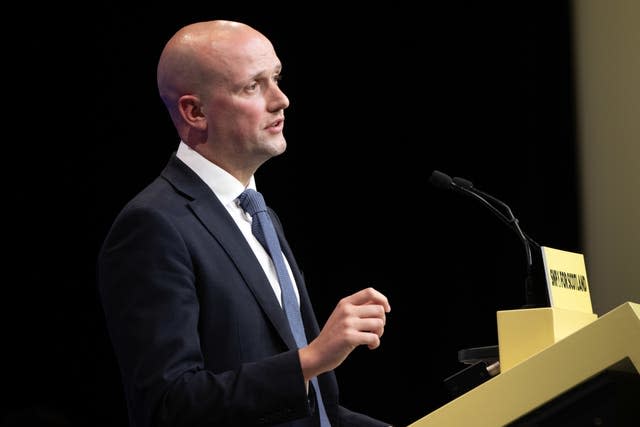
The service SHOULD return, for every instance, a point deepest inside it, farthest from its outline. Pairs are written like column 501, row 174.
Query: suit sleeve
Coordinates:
column 147, row 288
column 350, row 418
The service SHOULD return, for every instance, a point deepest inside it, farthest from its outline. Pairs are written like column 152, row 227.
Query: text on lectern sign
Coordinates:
column 566, row 277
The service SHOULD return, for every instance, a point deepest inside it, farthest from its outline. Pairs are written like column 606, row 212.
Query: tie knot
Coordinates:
column 252, row 201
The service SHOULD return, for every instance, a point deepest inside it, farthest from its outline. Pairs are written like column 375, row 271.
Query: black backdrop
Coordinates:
column 380, row 97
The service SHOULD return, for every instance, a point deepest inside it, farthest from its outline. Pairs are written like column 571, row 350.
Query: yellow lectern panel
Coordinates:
column 547, row 374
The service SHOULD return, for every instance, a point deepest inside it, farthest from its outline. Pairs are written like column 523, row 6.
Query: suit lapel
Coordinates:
column 215, row 218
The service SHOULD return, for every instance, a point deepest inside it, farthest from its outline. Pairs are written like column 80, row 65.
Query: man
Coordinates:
column 191, row 298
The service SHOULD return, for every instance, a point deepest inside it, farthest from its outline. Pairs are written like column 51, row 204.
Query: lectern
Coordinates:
column 591, row 373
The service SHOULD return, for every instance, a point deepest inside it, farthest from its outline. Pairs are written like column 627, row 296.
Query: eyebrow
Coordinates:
column 276, row 69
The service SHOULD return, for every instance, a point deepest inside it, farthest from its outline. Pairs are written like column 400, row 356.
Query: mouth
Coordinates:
column 276, row 125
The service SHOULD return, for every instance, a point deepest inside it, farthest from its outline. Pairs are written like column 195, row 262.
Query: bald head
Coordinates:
column 220, row 83
column 198, row 53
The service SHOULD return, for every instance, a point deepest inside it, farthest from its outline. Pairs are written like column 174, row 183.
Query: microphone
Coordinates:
column 461, row 185
column 464, row 186
column 467, row 187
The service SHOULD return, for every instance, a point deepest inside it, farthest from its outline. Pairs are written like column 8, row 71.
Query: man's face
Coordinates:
column 245, row 106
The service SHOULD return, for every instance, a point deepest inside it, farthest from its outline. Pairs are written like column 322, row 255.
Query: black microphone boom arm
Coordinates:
column 464, row 186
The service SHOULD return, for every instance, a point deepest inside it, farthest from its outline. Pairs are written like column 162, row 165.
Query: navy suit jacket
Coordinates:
column 197, row 331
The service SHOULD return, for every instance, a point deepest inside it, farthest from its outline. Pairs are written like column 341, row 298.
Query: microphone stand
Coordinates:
column 442, row 180
column 467, row 187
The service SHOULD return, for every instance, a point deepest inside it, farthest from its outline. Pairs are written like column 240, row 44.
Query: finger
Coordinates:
column 366, row 337
column 370, row 325
column 369, row 296
column 370, row 311
column 373, row 341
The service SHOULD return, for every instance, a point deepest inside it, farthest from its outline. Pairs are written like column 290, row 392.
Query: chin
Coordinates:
column 279, row 146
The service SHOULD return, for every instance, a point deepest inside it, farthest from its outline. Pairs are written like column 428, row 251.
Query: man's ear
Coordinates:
column 191, row 111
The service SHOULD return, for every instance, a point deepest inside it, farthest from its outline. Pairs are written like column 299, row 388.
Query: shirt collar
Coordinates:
column 225, row 186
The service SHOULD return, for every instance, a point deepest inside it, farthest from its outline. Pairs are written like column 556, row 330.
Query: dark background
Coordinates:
column 380, row 97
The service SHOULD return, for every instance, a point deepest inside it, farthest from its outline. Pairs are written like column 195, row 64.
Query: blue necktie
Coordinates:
column 262, row 227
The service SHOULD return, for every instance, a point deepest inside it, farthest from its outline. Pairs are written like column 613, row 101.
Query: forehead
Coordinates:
column 246, row 57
